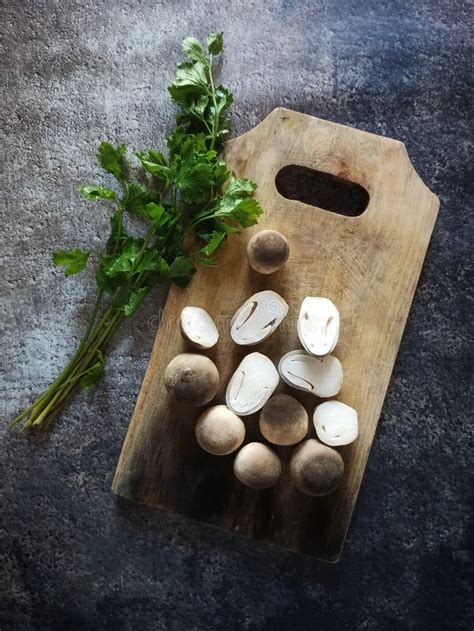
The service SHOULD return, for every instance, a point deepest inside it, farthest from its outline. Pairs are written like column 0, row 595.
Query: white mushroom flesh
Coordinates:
column 336, row 423
column 257, row 318
column 322, row 376
column 318, row 325
column 252, row 384
column 198, row 327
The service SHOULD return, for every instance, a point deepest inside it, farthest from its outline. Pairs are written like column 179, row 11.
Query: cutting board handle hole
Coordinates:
column 322, row 190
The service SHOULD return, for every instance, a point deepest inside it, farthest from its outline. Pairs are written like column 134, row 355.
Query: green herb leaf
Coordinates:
column 190, row 82
column 214, row 242
column 215, row 43
column 208, row 262
column 181, row 270
column 134, row 300
column 193, row 49
column 93, row 193
column 240, row 187
column 111, row 159
column 73, row 261
column 157, row 215
column 136, row 198
column 94, row 373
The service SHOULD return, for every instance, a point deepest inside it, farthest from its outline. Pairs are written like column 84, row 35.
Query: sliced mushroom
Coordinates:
column 198, row 327
column 336, row 423
column 283, row 420
column 322, row 376
column 257, row 466
column 315, row 468
column 252, row 384
column 219, row 431
column 257, row 318
column 318, row 325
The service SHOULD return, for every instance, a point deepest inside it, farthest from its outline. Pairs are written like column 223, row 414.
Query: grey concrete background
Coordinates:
column 72, row 555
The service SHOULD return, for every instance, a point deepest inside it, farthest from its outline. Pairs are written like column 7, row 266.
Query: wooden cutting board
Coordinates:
column 367, row 265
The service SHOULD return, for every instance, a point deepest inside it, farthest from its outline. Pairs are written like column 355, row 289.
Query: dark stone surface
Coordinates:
column 73, row 556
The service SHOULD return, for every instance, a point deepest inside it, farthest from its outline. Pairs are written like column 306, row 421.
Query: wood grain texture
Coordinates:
column 367, row 265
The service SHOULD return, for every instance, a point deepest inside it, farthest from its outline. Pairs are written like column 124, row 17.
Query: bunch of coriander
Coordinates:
column 187, row 197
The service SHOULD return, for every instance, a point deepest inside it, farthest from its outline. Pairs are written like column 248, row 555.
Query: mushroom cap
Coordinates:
column 252, row 384
column 322, row 376
column 336, row 423
column 267, row 251
column 318, row 325
column 257, row 466
column 219, row 431
column 258, row 317
column 192, row 379
column 315, row 468
column 283, row 420
column 198, row 327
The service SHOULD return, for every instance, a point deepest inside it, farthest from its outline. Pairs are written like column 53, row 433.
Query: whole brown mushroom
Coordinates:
column 257, row 466
column 219, row 431
column 283, row 420
column 315, row 468
column 268, row 251
column 192, row 379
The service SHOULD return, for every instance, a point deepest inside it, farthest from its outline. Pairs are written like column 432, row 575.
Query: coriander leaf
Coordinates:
column 214, row 242
column 115, row 264
column 215, row 43
column 134, row 300
column 208, row 262
column 157, row 215
column 137, row 196
column 190, row 82
column 244, row 211
column 195, row 179
column 94, row 373
column 149, row 262
column 73, row 261
column 111, row 159
column 132, row 248
column 93, row 193
column 117, row 231
column 225, row 227
column 240, row 187
column 192, row 47
column 181, row 270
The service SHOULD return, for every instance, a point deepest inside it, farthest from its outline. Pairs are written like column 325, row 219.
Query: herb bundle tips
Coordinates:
column 186, row 198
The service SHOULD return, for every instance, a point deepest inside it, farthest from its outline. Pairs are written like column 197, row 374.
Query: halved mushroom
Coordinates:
column 322, row 376
column 318, row 325
column 198, row 327
column 258, row 317
column 336, row 423
column 252, row 384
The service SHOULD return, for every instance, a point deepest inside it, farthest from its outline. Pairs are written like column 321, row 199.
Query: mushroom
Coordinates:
column 192, row 379
column 315, row 468
column 257, row 466
column 322, row 376
column 318, row 325
column 283, row 420
column 198, row 328
column 219, row 431
column 267, row 251
column 252, row 384
column 336, row 423
column 257, row 318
